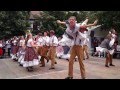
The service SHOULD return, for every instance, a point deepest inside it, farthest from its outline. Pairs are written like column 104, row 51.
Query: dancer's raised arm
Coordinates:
column 61, row 22
column 93, row 24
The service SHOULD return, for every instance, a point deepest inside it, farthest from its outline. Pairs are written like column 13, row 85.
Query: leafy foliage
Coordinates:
column 13, row 23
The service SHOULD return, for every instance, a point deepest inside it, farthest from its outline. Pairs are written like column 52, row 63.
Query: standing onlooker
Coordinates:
column 95, row 44
column 8, row 47
column 1, row 51
column 3, row 47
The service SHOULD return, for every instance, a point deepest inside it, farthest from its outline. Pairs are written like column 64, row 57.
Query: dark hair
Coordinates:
column 40, row 34
column 46, row 32
column 52, row 32
column 108, row 36
column 72, row 17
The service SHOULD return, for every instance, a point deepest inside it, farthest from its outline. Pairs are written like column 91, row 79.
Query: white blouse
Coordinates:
column 1, row 45
column 14, row 42
column 29, row 42
column 22, row 42
column 40, row 41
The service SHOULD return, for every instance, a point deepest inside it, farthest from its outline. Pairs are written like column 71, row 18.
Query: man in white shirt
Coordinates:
column 45, row 49
column 52, row 50
column 77, row 50
column 39, row 42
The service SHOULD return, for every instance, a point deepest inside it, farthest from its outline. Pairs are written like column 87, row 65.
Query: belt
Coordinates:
column 29, row 47
column 53, row 46
column 45, row 45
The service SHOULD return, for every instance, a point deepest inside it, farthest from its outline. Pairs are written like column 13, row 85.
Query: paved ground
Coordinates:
column 94, row 70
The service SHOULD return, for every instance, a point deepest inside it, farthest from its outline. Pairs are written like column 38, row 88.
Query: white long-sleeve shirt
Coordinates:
column 53, row 41
column 46, row 40
column 40, row 41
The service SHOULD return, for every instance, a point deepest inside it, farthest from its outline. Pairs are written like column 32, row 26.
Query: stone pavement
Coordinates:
column 94, row 70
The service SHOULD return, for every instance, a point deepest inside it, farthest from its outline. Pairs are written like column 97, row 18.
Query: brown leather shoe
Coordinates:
column 106, row 66
column 69, row 78
column 42, row 66
column 47, row 61
column 51, row 68
column 20, row 65
column 55, row 62
column 87, row 58
column 112, row 65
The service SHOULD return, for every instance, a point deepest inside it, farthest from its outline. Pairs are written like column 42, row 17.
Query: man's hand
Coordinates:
column 95, row 22
column 58, row 21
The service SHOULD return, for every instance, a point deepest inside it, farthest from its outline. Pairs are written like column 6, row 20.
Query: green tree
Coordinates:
column 13, row 23
column 107, row 19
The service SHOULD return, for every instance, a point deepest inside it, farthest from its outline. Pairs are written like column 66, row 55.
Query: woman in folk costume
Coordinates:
column 31, row 57
column 14, row 48
column 65, row 48
column 52, row 51
column 83, row 34
column 107, row 46
column 21, row 50
column 45, row 49
column 59, row 49
column 113, row 37
column 1, row 51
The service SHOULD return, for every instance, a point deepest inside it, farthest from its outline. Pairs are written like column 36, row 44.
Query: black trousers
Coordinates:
column 3, row 51
column 9, row 51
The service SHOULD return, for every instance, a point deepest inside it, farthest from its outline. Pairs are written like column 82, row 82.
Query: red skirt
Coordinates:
column 30, row 54
column 1, row 51
column 14, row 49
